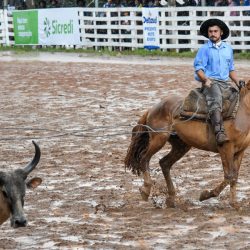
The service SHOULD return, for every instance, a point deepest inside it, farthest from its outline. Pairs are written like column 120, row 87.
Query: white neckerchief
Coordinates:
column 218, row 44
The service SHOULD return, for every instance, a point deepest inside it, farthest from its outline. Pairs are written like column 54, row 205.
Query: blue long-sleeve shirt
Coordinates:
column 215, row 62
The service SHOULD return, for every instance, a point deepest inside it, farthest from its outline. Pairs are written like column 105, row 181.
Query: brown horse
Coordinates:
column 162, row 123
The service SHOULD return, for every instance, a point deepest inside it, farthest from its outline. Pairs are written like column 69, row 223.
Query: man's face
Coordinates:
column 215, row 33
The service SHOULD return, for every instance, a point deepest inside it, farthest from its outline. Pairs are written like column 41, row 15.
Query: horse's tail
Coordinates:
column 138, row 147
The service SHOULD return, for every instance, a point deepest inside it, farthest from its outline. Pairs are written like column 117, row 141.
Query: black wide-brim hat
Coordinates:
column 212, row 22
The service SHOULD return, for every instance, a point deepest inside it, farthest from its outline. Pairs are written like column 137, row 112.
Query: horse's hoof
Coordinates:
column 204, row 195
column 170, row 203
column 144, row 195
column 236, row 206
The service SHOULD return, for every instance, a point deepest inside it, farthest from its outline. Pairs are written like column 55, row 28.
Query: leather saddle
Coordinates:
column 195, row 107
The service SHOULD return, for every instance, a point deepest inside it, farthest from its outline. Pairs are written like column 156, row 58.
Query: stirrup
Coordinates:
column 221, row 138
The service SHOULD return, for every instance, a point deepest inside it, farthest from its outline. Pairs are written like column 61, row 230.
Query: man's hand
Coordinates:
column 208, row 83
column 241, row 84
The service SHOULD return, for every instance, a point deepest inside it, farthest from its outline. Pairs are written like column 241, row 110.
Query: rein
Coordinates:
column 242, row 84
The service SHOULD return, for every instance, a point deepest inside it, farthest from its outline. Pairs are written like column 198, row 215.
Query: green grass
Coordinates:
column 137, row 52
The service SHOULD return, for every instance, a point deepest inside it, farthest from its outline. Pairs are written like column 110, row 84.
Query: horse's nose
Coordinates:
column 20, row 222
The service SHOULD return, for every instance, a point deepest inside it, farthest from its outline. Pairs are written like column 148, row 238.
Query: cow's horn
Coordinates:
column 34, row 161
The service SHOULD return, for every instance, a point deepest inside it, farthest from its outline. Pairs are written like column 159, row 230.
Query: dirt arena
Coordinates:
column 80, row 109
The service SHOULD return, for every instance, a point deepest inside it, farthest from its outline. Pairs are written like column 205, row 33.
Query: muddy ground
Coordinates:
column 80, row 110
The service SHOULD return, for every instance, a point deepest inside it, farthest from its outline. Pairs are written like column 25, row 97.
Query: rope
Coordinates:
column 79, row 132
column 193, row 115
column 76, row 133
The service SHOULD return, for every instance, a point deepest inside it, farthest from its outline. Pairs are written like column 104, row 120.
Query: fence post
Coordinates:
column 109, row 27
column 6, row 27
column 192, row 24
column 82, row 31
column 175, row 32
column 133, row 26
column 96, row 39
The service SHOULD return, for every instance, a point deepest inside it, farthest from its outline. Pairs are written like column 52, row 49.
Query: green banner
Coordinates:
column 26, row 27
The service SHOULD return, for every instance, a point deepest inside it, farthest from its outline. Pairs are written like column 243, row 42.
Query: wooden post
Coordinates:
column 6, row 24
column 5, row 3
column 172, row 3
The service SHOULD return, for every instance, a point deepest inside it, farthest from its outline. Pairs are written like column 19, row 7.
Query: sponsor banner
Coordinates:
column 58, row 26
column 151, row 28
column 47, row 26
column 25, row 27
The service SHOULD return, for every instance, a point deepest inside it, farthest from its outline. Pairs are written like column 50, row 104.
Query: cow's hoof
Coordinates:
column 144, row 195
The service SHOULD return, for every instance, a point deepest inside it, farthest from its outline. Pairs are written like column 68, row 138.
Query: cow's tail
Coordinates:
column 138, row 147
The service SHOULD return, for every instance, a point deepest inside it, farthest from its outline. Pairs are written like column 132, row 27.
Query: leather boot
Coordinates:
column 217, row 123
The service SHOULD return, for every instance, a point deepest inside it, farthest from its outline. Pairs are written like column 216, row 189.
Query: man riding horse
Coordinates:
column 164, row 121
column 214, row 65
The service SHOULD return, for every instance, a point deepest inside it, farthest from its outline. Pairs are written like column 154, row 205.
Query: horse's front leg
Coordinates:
column 205, row 195
column 147, row 184
column 237, row 162
column 231, row 164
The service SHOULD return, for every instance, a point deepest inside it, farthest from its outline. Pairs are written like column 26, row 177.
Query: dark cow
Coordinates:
column 12, row 191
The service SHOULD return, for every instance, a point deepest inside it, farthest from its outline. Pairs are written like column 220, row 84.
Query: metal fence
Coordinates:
column 121, row 28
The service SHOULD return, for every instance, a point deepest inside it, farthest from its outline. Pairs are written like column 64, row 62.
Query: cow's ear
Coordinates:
column 34, row 182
